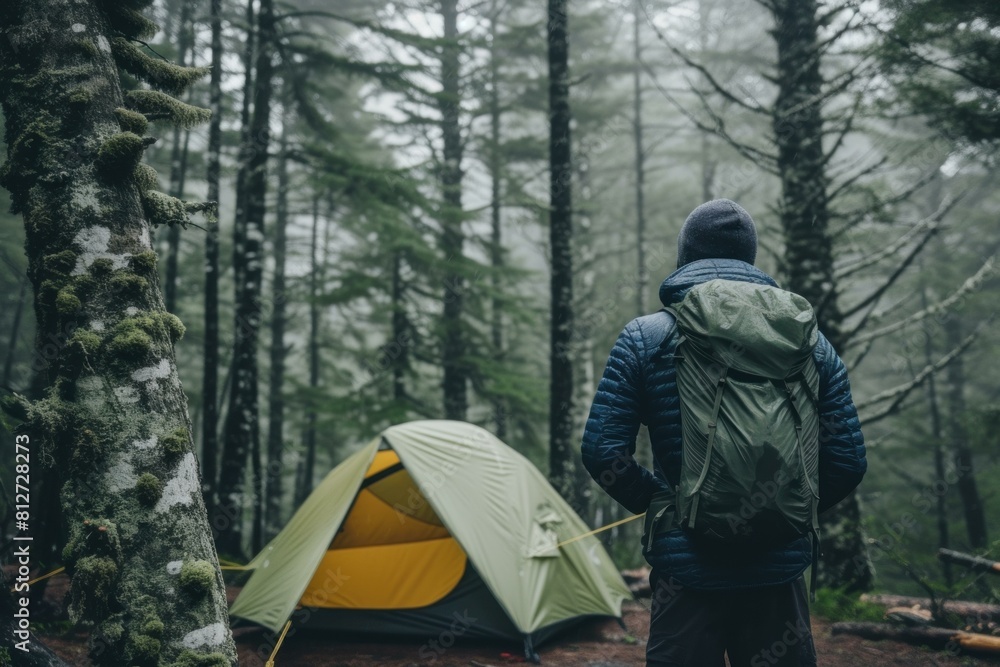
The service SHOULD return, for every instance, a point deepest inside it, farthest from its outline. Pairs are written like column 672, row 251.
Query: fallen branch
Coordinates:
column 975, row 563
column 970, row 611
column 934, row 637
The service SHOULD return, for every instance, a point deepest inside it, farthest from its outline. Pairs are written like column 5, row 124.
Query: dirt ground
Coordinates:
column 594, row 644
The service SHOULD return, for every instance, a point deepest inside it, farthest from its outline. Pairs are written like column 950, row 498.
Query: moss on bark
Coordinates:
column 74, row 172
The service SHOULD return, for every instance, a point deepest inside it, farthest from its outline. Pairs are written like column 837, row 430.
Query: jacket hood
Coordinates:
column 677, row 284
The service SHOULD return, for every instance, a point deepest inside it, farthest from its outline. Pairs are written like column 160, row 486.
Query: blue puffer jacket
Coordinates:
column 639, row 387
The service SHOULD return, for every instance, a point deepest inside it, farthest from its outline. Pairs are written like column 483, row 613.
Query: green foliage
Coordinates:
column 143, row 262
column 129, row 22
column 197, row 578
column 131, row 345
column 148, row 489
column 131, row 121
column 942, row 58
column 94, row 579
column 60, row 263
column 102, row 267
column 155, row 104
column 143, row 649
column 120, row 154
column 160, row 74
column 67, row 302
column 189, row 658
column 175, row 444
column 835, row 605
column 163, row 210
column 146, row 178
column 128, row 284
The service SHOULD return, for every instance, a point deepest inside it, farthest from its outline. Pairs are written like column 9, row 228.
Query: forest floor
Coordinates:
column 594, row 644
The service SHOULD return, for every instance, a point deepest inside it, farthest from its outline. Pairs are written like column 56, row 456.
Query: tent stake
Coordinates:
column 270, row 660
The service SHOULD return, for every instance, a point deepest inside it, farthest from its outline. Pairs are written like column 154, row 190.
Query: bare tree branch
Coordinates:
column 971, row 284
column 872, row 298
column 718, row 87
column 752, row 153
column 929, row 223
column 899, row 394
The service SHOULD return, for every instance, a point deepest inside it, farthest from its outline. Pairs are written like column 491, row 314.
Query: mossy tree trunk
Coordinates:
column 241, row 432
column 798, row 129
column 144, row 571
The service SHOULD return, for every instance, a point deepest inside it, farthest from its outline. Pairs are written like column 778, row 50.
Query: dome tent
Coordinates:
column 433, row 526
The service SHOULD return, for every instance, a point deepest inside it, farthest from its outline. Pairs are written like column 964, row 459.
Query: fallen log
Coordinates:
column 938, row 638
column 970, row 611
column 975, row 563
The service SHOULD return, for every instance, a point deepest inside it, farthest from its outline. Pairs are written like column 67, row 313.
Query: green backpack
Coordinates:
column 749, row 420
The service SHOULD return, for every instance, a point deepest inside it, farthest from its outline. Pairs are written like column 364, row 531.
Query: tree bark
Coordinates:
column 400, row 331
column 242, row 427
column 496, row 231
column 642, row 275
column 561, row 449
column 15, row 330
column 798, row 129
column 210, row 373
column 276, row 400
column 455, row 381
column 309, row 434
column 115, row 415
column 178, row 165
column 937, row 436
column 968, row 490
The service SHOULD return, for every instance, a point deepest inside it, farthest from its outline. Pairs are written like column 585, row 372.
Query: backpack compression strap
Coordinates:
column 797, row 416
column 712, row 426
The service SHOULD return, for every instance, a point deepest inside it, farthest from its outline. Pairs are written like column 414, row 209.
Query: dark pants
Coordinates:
column 763, row 627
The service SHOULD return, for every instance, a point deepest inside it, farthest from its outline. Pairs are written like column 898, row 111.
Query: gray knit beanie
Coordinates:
column 719, row 229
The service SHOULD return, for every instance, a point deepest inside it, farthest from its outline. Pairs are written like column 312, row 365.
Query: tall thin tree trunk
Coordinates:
column 15, row 330
column 210, row 372
column 309, row 434
column 400, row 331
column 561, row 447
column 642, row 275
column 276, row 401
column 242, row 427
column 708, row 165
column 937, row 436
column 798, row 129
column 178, row 165
column 496, row 231
column 968, row 491
column 453, row 362
column 114, row 417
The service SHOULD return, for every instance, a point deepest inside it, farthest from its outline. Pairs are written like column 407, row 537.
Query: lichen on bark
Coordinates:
column 114, row 416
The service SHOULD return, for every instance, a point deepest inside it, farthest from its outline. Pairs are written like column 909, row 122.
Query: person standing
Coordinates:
column 754, row 432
